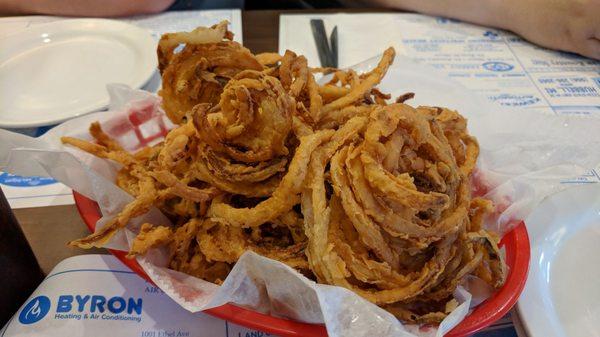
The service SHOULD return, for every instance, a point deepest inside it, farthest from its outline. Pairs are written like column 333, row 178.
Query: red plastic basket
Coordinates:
column 515, row 243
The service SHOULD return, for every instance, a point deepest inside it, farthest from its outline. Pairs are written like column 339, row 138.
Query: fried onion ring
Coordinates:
column 198, row 73
column 332, row 180
column 385, row 209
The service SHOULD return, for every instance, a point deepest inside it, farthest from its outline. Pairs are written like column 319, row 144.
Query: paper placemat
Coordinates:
column 494, row 63
column 89, row 295
column 24, row 192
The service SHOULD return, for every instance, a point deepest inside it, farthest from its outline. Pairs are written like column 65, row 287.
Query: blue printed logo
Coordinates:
column 498, row 66
column 35, row 310
column 491, row 34
column 19, row 181
column 515, row 100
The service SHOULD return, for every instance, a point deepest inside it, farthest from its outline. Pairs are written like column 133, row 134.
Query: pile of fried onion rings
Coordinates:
column 330, row 179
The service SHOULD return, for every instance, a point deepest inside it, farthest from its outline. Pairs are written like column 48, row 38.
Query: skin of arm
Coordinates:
column 568, row 25
column 92, row 8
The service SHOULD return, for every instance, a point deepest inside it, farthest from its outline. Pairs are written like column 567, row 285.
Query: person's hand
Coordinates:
column 568, row 25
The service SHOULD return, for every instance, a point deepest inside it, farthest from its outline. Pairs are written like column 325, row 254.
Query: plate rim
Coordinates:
column 526, row 303
column 143, row 39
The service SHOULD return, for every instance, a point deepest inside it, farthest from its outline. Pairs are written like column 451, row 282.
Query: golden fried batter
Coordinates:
column 331, row 179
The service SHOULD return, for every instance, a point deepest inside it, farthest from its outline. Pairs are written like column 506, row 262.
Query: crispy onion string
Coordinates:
column 330, row 179
column 395, row 226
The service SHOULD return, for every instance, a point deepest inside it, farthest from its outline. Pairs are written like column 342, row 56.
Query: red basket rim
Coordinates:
column 515, row 242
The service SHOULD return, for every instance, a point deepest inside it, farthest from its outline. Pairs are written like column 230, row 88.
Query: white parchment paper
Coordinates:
column 524, row 157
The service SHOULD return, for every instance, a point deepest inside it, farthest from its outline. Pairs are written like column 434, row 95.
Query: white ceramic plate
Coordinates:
column 562, row 294
column 56, row 71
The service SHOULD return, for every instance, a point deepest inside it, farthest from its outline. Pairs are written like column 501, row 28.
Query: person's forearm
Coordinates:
column 83, row 7
column 569, row 25
column 496, row 13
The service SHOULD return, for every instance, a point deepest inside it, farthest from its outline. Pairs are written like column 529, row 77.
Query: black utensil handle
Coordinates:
column 333, row 39
column 320, row 37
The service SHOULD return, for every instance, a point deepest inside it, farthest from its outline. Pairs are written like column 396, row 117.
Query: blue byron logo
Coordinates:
column 35, row 310
column 18, row 181
column 498, row 66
